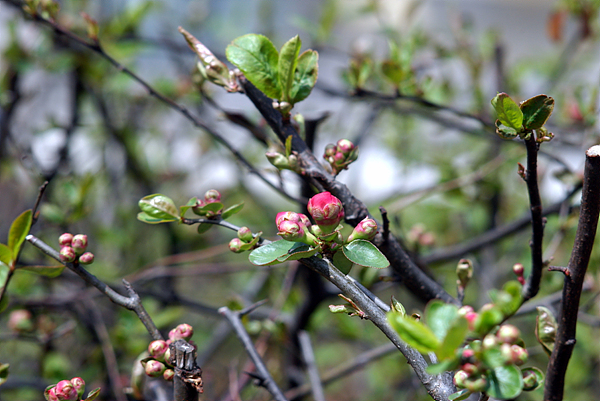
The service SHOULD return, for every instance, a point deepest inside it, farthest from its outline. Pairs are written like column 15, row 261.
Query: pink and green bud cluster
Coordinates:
column 326, row 210
column 294, row 227
column 245, row 240
column 182, row 332
column 73, row 249
column 66, row 390
column 210, row 196
column 366, row 229
column 519, row 271
column 283, row 162
column 340, row 155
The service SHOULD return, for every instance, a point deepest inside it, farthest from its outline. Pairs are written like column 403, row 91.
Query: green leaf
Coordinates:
column 250, row 245
column 492, row 357
column 257, row 58
column 298, row 251
column 4, row 300
column 440, row 316
column 443, row 366
column 508, row 111
column 305, row 77
column 268, row 254
column 3, row 372
column 487, row 319
column 18, row 231
column 286, row 67
column 6, row 255
column 48, row 271
column 392, row 70
column 459, row 395
column 141, row 216
column 191, row 203
column 231, row 210
column 204, row 227
column 288, row 145
column 455, row 336
column 414, row 333
column 159, row 207
column 363, row 253
column 4, row 271
column 505, row 382
column 505, row 132
column 536, row 111
column 92, row 395
column 545, row 328
column 341, row 262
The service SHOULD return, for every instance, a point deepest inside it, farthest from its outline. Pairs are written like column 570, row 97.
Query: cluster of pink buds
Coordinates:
column 519, row 271
column 211, row 196
column 157, row 364
column 295, row 227
column 244, row 241
column 340, row 155
column 66, row 390
column 72, row 248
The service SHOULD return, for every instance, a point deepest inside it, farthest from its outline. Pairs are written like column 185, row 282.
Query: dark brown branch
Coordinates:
column 573, row 284
column 532, row 286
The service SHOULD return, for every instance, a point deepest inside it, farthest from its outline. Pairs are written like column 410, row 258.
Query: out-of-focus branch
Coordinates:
column 311, row 365
column 131, row 302
column 574, row 277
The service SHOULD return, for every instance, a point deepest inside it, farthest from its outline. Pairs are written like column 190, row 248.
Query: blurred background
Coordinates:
column 429, row 156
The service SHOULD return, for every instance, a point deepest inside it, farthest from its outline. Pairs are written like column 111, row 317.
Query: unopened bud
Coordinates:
column 65, row 391
column 157, row 349
column 470, row 368
column 489, row 341
column 465, row 309
column 154, row 368
column 366, row 229
column 168, row 375
column 508, row 334
column 460, row 377
column 278, row 160
column 326, row 210
column 235, row 245
column 20, row 321
column 87, row 258
column 338, row 309
column 65, row 239
column 471, row 318
column 477, row 385
column 345, row 146
column 212, row 196
column 464, row 272
column 67, row 254
column 330, row 150
column 79, row 243
column 518, row 269
column 245, row 234
column 519, row 355
column 79, row 386
column 530, row 380
column 183, row 331
column 290, row 230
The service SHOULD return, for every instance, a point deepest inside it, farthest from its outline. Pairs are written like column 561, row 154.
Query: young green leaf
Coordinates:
column 18, row 231
column 92, row 395
column 440, row 317
column 191, row 203
column 363, row 253
column 146, row 218
column 459, row 395
column 508, row 111
column 6, row 255
column 48, row 271
column 204, row 227
column 392, row 70
column 456, row 334
column 3, row 372
column 286, row 67
column 257, row 58
column 505, row 382
column 536, row 111
column 545, row 328
column 159, row 206
column 231, row 210
column 305, row 76
column 414, row 333
column 268, row 254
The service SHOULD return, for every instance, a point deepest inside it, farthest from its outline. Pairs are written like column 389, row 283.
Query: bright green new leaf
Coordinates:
column 146, row 218
column 440, row 317
column 268, row 254
column 545, row 328
column 414, row 333
column 159, row 207
column 397, row 306
column 493, row 357
column 6, row 255
column 505, row 132
column 231, row 210
column 3, row 372
column 341, row 262
column 18, row 231
column 257, row 58
column 536, row 111
column 459, row 395
column 505, row 382
column 286, row 67
column 363, row 253
column 455, row 336
column 48, row 271
column 92, row 395
column 508, row 111
column 487, row 319
column 305, row 76
column 191, row 203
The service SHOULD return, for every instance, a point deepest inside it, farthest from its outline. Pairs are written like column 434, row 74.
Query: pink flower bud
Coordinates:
column 468, row 353
column 154, row 368
column 168, row 375
column 339, row 158
column 470, row 369
column 518, row 269
column 345, row 146
column 519, row 355
column 330, row 150
column 366, row 229
column 87, row 258
column 326, row 210
column 508, row 334
column 51, row 395
column 471, row 317
column 212, row 196
column 67, row 254
column 157, row 349
column 291, row 231
column 65, row 391
column 79, row 243
column 245, row 234
column 65, row 239
column 20, row 321
column 182, row 331
column 289, row 216
column 460, row 377
column 235, row 245
column 79, row 386
column 465, row 309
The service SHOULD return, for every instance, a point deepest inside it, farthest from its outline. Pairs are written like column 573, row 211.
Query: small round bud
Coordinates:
column 508, row 334
column 168, row 375
column 518, row 269
column 519, row 355
column 167, row 354
column 326, row 210
column 460, row 377
column 366, row 229
column 465, row 309
column 212, row 196
column 530, row 380
column 471, row 318
column 87, row 258
column 182, row 331
column 79, row 243
column 157, row 349
column 154, row 368
column 20, row 321
column 51, row 395
column 464, row 272
column 79, row 386
column 65, row 239
column 65, row 391
column 345, row 146
column 330, row 150
column 290, row 230
column 235, row 245
column 489, row 341
column 245, row 234
column 67, row 254
column 470, row 368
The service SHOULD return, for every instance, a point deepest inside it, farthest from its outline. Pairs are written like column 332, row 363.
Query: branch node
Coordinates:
column 563, row 269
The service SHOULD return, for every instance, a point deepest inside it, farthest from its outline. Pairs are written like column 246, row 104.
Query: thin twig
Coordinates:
column 311, row 365
column 266, row 378
column 573, row 283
